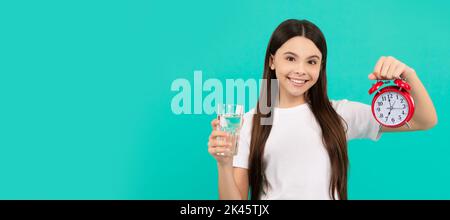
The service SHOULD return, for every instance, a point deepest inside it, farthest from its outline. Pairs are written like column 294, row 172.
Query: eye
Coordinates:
column 291, row 59
column 312, row 62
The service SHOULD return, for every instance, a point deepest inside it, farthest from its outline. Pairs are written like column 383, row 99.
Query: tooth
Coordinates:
column 298, row 81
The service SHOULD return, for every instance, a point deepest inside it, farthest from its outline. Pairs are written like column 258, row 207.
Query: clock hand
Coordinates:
column 387, row 117
column 389, row 100
column 390, row 108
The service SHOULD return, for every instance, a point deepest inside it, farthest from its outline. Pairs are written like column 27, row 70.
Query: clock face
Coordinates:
column 391, row 108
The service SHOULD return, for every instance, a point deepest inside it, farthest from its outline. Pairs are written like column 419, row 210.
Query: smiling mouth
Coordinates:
column 297, row 82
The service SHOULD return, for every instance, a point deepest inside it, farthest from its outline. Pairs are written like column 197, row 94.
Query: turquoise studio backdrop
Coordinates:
column 85, row 92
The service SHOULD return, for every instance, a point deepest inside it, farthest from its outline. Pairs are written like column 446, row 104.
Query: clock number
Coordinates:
column 380, row 103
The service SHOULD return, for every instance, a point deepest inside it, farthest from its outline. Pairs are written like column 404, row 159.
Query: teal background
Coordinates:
column 85, row 92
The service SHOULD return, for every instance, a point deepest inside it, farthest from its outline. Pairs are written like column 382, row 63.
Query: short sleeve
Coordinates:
column 243, row 150
column 359, row 119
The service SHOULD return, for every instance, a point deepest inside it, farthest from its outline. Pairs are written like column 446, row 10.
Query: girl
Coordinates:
column 302, row 152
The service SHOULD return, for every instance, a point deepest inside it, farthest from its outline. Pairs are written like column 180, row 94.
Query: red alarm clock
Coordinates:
column 392, row 106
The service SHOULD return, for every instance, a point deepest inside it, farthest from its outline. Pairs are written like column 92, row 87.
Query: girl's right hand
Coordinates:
column 219, row 145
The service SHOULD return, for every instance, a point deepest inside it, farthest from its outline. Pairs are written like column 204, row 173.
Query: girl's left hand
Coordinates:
column 388, row 68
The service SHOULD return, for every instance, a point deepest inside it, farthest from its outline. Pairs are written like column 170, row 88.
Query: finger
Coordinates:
column 218, row 143
column 212, row 143
column 377, row 68
column 399, row 70
column 220, row 151
column 385, row 67
column 377, row 75
column 372, row 76
column 392, row 67
column 218, row 133
column 214, row 123
column 215, row 134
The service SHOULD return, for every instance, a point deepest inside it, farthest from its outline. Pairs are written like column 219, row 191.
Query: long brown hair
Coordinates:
column 331, row 124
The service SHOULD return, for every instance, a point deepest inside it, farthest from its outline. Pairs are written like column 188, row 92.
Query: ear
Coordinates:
column 271, row 65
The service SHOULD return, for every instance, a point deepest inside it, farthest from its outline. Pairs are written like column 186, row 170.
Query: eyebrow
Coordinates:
column 292, row 53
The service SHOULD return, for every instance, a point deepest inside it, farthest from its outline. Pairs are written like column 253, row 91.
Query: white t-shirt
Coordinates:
column 297, row 163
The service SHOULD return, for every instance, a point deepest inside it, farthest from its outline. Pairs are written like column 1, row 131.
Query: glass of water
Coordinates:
column 230, row 121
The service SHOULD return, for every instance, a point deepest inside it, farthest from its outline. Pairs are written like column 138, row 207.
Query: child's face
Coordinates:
column 297, row 66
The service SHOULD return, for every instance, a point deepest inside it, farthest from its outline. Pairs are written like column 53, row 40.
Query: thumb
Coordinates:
column 372, row 76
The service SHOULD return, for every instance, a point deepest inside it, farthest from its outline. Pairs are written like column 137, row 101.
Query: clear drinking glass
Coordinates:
column 230, row 120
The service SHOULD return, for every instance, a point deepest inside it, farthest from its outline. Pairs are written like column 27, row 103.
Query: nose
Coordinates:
column 300, row 69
